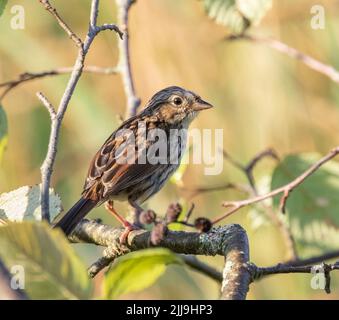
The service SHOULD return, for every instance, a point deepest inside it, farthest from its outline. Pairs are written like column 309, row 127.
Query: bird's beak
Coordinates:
column 201, row 105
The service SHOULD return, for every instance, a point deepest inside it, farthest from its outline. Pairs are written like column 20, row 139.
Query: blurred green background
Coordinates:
column 262, row 99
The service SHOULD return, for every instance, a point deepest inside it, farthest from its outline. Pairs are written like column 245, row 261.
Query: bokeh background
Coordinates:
column 262, row 99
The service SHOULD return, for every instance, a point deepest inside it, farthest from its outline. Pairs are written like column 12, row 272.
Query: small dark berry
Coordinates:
column 173, row 212
column 147, row 217
column 158, row 233
column 203, row 224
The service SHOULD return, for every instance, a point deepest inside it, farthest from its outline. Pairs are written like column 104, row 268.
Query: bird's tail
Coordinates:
column 74, row 215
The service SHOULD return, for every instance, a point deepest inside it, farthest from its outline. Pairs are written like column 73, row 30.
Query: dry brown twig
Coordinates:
column 309, row 61
column 286, row 189
column 62, row 23
column 248, row 171
column 249, row 168
column 314, row 64
column 29, row 76
column 199, row 190
column 251, row 189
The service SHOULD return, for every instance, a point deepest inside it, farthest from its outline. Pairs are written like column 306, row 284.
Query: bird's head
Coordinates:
column 176, row 105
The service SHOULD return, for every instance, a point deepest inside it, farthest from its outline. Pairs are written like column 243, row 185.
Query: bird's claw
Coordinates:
column 128, row 229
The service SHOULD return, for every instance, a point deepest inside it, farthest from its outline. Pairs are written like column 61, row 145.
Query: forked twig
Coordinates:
column 286, row 189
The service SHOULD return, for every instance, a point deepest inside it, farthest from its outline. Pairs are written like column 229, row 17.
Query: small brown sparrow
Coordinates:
column 124, row 167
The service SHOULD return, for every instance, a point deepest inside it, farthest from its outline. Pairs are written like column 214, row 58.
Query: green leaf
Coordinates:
column 2, row 6
column 52, row 269
column 24, row 204
column 237, row 15
column 257, row 217
column 256, row 214
column 312, row 208
column 137, row 271
column 3, row 128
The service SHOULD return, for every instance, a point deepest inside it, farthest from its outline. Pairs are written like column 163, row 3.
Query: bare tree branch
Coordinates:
column 47, row 166
column 312, row 63
column 229, row 241
column 193, row 262
column 316, row 259
column 133, row 101
column 204, row 268
column 29, row 76
column 286, row 189
column 325, row 269
column 6, row 291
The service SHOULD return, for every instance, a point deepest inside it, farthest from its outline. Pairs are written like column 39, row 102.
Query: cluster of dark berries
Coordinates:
column 158, row 233
column 147, row 217
column 203, row 224
column 172, row 214
column 160, row 228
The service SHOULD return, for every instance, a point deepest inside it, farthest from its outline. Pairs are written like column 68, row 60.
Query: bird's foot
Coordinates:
column 128, row 229
column 127, row 225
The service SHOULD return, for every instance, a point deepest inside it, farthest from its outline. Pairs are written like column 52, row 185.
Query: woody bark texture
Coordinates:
column 229, row 241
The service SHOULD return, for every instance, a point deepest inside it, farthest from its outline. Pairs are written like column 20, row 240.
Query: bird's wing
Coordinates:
column 109, row 174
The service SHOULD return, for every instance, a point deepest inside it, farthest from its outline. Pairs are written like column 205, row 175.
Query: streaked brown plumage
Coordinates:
column 111, row 179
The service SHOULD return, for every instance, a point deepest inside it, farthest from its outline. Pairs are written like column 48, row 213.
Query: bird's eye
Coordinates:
column 177, row 101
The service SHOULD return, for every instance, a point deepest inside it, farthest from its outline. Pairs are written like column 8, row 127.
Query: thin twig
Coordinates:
column 309, row 61
column 133, row 101
column 316, row 259
column 199, row 190
column 248, row 171
column 186, row 218
column 260, row 272
column 29, row 76
column 204, row 268
column 83, row 47
column 50, row 108
column 111, row 253
column 189, row 213
column 62, row 23
column 286, row 189
column 111, row 27
column 249, row 168
column 232, row 161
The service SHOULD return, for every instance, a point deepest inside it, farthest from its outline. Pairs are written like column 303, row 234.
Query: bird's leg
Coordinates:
column 128, row 226
column 137, row 212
